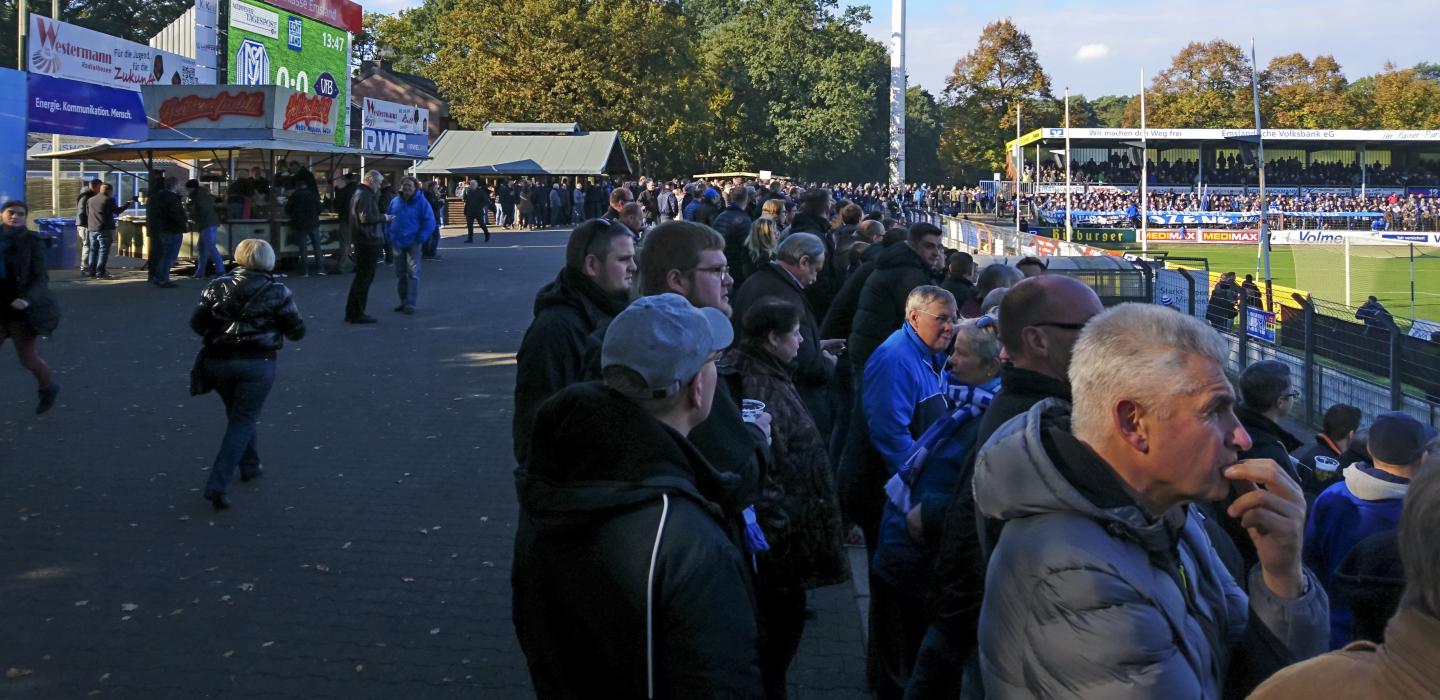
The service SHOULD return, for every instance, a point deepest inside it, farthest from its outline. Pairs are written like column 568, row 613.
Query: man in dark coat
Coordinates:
column 368, row 231
column 1222, row 309
column 590, row 290
column 629, row 580
column 799, row 260
column 82, row 222
column 734, row 225
column 165, row 223
column 477, row 208
column 649, row 200
column 899, row 270
column 505, row 195
column 1043, row 316
column 812, row 218
column 342, row 213
column 709, row 209
column 961, row 277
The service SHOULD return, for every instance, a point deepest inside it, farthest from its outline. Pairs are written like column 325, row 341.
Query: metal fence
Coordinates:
column 1339, row 359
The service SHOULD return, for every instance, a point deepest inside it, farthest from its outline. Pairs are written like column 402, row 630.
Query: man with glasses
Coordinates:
column 903, row 393
column 1040, row 321
column 1266, row 396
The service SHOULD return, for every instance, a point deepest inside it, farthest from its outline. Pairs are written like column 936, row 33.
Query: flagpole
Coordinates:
column 1068, row 235
column 1019, row 166
column 1264, row 203
column 1144, row 174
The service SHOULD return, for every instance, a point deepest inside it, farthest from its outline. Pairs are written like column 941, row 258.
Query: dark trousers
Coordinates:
column 862, row 476
column 243, row 386
column 782, row 623
column 470, row 221
column 946, row 668
column 897, row 626
column 366, row 256
column 154, row 251
column 431, row 247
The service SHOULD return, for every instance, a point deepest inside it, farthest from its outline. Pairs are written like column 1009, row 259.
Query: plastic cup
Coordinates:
column 751, row 409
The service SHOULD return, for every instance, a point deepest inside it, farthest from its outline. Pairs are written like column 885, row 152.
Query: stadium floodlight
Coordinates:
column 1068, row 235
column 1260, row 164
column 897, row 92
column 1144, row 174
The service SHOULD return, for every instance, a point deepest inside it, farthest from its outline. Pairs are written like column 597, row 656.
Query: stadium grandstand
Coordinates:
column 1316, row 180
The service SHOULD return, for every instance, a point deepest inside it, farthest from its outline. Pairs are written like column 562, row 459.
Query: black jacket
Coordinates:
column 959, row 561
column 810, row 371
column 881, row 307
column 342, row 200
column 734, row 225
column 246, row 315
column 1371, row 581
column 26, row 278
column 202, row 209
column 959, row 287
column 103, row 210
column 82, row 211
column 839, row 320
column 366, row 217
column 477, row 202
column 649, row 201
column 165, row 214
column 552, row 353
column 607, row 490
column 303, row 208
column 1269, row 441
column 807, row 223
column 707, row 213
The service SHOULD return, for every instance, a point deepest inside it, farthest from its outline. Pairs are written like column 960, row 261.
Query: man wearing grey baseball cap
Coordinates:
column 630, row 581
column 1366, row 502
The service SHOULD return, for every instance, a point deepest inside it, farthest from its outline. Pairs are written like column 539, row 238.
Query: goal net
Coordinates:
column 1386, row 269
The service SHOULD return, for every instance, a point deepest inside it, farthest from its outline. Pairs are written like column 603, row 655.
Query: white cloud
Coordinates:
column 1092, row 52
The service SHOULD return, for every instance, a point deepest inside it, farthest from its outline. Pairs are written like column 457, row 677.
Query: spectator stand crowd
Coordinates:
column 1227, row 169
column 1056, row 499
column 1390, row 211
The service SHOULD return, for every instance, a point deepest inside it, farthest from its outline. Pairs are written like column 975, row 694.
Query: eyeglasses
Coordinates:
column 944, row 320
column 1063, row 326
column 719, row 270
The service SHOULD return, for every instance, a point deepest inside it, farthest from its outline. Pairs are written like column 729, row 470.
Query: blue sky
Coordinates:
column 1098, row 47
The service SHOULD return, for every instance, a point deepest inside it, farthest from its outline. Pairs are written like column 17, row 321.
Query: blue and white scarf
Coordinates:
column 971, row 401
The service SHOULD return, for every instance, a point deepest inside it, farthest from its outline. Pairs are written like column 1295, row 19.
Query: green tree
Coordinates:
column 1207, row 86
column 923, row 123
column 1082, row 113
column 1109, row 110
column 983, row 91
column 409, row 39
column 1301, row 94
column 607, row 64
column 1429, row 71
column 131, row 20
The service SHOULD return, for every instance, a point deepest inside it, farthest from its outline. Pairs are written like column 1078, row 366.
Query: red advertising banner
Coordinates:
column 341, row 14
column 1046, row 247
column 1202, row 236
column 1185, row 235
column 1230, row 236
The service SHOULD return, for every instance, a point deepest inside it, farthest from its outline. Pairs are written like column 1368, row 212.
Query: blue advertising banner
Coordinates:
column 12, row 135
column 395, row 142
column 1260, row 324
column 60, row 106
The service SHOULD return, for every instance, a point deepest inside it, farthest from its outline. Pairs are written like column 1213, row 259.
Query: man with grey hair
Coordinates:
column 903, row 392
column 799, row 260
column 1104, row 582
column 367, row 226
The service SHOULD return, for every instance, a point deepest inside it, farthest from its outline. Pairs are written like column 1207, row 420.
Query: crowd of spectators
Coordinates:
column 1227, row 169
column 1391, row 211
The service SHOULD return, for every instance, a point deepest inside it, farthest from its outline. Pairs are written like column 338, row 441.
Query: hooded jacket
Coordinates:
column 1090, row 596
column 1403, row 668
column 1367, row 502
column 552, row 353
column 628, row 578
column 414, row 220
column 881, row 309
column 903, row 393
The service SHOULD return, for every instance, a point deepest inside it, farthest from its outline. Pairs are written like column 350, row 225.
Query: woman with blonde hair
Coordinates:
column 243, row 318
column 759, row 248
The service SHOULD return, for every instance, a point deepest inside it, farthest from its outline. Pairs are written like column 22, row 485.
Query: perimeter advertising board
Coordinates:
column 395, row 128
column 270, row 46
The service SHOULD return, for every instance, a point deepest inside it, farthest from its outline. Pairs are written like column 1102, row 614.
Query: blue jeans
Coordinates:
column 98, row 251
column 243, row 386
column 206, row 252
column 168, row 255
column 407, row 270
column 945, row 669
column 431, row 246
column 311, row 236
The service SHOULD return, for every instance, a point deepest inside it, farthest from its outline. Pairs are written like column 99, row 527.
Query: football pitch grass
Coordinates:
column 1241, row 259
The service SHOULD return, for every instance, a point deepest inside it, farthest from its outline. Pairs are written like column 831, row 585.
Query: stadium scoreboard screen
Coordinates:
column 272, row 46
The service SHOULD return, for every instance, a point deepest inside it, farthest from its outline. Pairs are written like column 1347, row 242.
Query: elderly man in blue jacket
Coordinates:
column 904, row 392
column 413, row 220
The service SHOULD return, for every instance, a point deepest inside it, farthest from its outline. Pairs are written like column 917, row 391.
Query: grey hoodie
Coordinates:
column 1102, row 600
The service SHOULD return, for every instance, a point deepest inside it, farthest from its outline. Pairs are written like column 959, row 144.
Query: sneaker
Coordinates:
column 47, row 398
column 409, row 311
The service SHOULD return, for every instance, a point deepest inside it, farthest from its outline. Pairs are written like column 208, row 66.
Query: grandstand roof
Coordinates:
column 1422, row 140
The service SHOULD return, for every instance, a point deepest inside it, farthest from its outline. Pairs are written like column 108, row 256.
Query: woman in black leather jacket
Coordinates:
column 27, row 309
column 243, row 317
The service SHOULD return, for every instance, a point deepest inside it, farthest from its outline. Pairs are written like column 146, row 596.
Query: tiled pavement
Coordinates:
column 371, row 560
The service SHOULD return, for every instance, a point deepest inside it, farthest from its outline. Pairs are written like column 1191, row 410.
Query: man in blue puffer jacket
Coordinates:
column 904, row 392
column 413, row 222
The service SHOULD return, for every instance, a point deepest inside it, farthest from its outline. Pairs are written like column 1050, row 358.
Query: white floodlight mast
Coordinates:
column 897, row 92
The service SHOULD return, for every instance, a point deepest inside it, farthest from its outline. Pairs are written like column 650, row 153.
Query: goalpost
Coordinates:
column 1403, row 276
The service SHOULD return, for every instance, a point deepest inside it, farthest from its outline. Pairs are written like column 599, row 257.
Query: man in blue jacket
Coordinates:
column 1367, row 502
column 413, row 221
column 903, row 393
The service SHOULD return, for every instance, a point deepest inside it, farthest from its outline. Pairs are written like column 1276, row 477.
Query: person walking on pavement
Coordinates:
column 303, row 208
column 27, row 309
column 102, row 213
column 477, row 206
column 243, row 318
column 207, row 222
column 166, row 221
column 412, row 220
column 368, row 225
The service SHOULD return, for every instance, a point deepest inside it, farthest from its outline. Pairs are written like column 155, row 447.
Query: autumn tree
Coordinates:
column 607, row 64
column 1301, row 94
column 1396, row 99
column 1207, row 86
column 982, row 92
